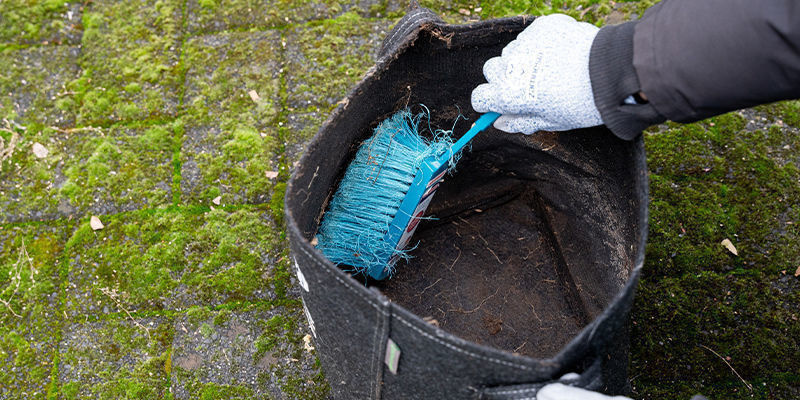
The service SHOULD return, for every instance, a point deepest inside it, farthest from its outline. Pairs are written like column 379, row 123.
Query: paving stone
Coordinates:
column 453, row 12
column 29, row 288
column 33, row 82
column 255, row 353
column 115, row 358
column 302, row 126
column 170, row 260
column 206, row 16
column 130, row 61
column 233, row 164
column 97, row 170
column 233, row 79
column 325, row 60
column 41, row 22
column 232, row 102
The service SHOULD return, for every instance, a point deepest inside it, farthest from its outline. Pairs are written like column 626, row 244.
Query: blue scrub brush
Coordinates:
column 385, row 191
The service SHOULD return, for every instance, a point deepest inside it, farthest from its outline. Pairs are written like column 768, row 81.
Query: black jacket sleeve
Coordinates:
column 694, row 59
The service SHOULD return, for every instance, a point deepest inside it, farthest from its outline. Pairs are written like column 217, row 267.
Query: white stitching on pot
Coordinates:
column 513, row 391
column 375, row 354
column 399, row 29
column 423, row 333
column 460, row 350
column 410, row 20
column 380, row 354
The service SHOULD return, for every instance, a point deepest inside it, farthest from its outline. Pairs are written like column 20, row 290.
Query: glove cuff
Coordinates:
column 614, row 78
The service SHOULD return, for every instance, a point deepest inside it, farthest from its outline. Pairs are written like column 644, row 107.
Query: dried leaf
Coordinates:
column 96, row 224
column 254, row 95
column 217, row 200
column 7, row 149
column 728, row 245
column 307, row 343
column 271, row 174
column 797, row 272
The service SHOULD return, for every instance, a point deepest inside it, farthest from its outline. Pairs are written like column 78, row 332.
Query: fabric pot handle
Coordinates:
column 406, row 29
column 588, row 379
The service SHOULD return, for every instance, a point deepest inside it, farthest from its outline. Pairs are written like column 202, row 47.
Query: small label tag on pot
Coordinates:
column 392, row 356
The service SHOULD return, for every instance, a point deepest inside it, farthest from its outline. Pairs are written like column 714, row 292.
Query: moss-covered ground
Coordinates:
column 176, row 123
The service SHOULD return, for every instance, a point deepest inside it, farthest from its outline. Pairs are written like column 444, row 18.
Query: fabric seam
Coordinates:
column 401, row 28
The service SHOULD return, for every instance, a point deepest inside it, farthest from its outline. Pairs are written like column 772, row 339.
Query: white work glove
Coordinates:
column 560, row 391
column 541, row 81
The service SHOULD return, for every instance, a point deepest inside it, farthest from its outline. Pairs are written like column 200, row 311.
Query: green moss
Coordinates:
column 129, row 58
column 223, row 70
column 741, row 318
column 124, row 167
column 213, row 391
column 196, row 314
column 303, row 388
column 210, row 5
column 125, row 361
column 326, row 58
column 133, row 87
column 29, row 323
column 276, row 203
column 711, row 181
column 206, row 330
column 40, row 21
column 247, row 15
column 232, row 164
column 598, row 12
column 177, row 258
column 33, row 82
column 222, row 316
column 786, row 111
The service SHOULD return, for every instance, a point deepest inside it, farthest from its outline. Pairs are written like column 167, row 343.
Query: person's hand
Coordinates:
column 541, row 81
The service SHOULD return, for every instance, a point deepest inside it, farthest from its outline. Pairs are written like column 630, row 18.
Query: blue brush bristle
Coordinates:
column 353, row 229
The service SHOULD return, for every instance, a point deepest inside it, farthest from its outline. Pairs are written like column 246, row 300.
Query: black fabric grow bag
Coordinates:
column 529, row 269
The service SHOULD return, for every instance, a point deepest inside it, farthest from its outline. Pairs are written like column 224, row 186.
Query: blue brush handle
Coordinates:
column 481, row 124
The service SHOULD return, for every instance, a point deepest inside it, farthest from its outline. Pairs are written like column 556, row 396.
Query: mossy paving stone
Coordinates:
column 750, row 321
column 714, row 180
column 223, row 69
column 465, row 11
column 730, row 177
column 324, row 59
column 115, row 358
column 452, row 12
column 301, row 127
column 170, row 260
column 120, row 169
column 130, row 53
column 205, row 16
column 29, row 283
column 27, row 190
column 255, row 352
column 41, row 22
column 32, row 84
column 97, row 170
column 233, row 164
column 230, row 141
